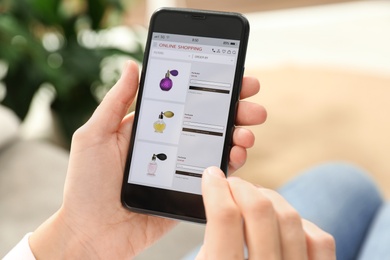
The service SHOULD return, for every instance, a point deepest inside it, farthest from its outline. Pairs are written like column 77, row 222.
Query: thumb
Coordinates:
column 111, row 111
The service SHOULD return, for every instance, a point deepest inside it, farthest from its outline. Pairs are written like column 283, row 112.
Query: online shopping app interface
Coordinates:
column 183, row 115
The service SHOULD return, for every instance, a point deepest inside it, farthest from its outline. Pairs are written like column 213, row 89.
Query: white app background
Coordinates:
column 199, row 98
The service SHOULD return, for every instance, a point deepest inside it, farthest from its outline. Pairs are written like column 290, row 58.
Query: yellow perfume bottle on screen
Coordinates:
column 159, row 125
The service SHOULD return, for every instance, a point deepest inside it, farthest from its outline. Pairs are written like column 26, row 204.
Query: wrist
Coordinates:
column 56, row 239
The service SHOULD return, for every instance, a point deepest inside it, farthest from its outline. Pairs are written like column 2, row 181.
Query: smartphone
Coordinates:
column 184, row 120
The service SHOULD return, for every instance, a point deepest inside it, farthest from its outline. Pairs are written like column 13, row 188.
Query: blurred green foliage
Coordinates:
column 41, row 43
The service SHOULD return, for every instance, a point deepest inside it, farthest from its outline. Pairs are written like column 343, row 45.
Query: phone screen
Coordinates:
column 184, row 110
column 185, row 113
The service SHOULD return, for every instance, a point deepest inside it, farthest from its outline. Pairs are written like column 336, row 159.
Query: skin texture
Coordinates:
column 240, row 213
column 92, row 223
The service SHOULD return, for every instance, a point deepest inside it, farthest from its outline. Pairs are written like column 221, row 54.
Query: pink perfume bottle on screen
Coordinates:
column 152, row 166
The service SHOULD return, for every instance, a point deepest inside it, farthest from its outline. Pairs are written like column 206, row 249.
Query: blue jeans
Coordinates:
column 345, row 202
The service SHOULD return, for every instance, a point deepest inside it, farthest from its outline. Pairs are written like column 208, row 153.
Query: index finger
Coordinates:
column 224, row 235
column 260, row 220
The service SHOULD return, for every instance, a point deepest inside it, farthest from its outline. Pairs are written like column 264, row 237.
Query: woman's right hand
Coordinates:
column 240, row 213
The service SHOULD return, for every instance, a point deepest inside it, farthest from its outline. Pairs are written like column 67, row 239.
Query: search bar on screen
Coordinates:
column 210, row 83
column 189, row 167
column 216, row 127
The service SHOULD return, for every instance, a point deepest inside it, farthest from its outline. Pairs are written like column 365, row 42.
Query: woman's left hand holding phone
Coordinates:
column 92, row 223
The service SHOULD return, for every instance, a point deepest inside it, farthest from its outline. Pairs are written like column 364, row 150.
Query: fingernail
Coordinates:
column 214, row 171
column 124, row 68
column 127, row 64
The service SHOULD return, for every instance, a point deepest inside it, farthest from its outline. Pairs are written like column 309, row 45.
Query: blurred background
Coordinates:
column 324, row 67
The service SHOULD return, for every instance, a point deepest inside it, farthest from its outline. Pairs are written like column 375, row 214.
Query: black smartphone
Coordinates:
column 185, row 113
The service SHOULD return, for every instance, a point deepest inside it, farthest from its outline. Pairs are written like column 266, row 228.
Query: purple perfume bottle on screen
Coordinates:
column 166, row 83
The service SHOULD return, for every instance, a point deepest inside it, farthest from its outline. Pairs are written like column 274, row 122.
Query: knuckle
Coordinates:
column 80, row 133
column 325, row 240
column 86, row 134
column 290, row 218
column 257, row 206
column 227, row 213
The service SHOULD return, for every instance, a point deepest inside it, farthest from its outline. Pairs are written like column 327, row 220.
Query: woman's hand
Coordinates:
column 92, row 223
column 240, row 213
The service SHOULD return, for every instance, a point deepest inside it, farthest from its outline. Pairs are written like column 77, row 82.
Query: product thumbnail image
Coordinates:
column 152, row 166
column 166, row 83
column 159, row 125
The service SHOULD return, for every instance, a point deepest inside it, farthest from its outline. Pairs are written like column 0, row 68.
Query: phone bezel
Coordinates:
column 169, row 203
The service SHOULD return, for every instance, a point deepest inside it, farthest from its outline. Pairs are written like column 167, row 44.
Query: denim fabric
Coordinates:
column 377, row 243
column 342, row 200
